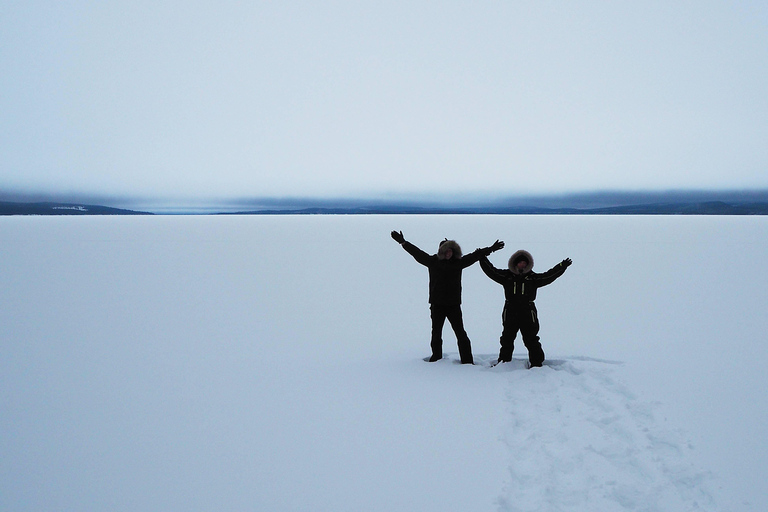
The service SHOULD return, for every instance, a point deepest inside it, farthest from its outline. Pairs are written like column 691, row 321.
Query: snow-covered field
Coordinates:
column 275, row 364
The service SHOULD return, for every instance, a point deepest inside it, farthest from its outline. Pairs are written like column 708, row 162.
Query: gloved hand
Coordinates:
column 398, row 237
column 486, row 251
column 566, row 262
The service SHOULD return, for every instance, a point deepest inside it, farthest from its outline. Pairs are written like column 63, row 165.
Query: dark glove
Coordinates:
column 398, row 237
column 486, row 251
column 566, row 262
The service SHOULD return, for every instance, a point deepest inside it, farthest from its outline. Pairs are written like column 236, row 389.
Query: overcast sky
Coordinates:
column 252, row 98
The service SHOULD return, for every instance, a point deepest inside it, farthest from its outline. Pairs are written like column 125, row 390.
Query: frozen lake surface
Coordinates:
column 275, row 363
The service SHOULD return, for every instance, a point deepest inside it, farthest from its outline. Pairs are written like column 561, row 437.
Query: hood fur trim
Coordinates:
column 449, row 244
column 516, row 256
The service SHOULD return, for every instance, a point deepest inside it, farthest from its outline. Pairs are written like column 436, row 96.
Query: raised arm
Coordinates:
column 411, row 249
column 475, row 255
column 550, row 275
column 491, row 271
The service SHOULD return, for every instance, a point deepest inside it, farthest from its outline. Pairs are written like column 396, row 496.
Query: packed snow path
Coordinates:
column 579, row 439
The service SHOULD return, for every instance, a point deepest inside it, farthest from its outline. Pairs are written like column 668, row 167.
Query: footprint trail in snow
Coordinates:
column 578, row 439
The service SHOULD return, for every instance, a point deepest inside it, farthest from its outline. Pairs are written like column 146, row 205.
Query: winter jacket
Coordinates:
column 520, row 286
column 444, row 274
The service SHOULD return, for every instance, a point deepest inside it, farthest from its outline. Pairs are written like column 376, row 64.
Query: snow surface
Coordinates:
column 275, row 363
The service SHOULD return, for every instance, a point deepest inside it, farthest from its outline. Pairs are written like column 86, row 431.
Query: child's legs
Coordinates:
column 437, row 313
column 529, row 329
column 462, row 340
column 508, row 333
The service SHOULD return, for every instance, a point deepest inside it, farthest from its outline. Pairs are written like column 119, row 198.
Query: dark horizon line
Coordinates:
column 697, row 202
column 596, row 198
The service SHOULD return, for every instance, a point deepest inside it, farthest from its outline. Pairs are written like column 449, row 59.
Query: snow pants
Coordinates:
column 524, row 318
column 453, row 313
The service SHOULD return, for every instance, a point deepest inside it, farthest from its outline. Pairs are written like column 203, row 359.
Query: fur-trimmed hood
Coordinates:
column 449, row 244
column 518, row 255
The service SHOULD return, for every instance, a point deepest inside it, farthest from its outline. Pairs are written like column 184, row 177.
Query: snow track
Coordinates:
column 579, row 439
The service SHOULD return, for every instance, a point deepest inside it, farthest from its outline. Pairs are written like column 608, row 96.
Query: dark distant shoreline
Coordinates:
column 11, row 208
column 712, row 208
column 599, row 203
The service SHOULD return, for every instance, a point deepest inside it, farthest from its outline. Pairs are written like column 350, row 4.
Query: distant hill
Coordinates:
column 514, row 207
column 752, row 202
column 713, row 208
column 10, row 208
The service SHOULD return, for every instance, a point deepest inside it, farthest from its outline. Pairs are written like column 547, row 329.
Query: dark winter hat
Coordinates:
column 449, row 244
column 516, row 258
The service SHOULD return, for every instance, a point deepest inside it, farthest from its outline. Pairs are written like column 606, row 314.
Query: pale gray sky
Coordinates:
column 236, row 98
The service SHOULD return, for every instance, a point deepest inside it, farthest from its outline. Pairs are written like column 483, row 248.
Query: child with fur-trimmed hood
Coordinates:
column 520, row 286
column 445, row 290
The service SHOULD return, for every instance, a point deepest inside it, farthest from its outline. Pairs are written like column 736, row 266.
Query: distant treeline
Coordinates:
column 8, row 208
column 709, row 208
column 708, row 203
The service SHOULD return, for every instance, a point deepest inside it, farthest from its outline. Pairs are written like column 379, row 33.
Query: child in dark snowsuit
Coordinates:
column 445, row 290
column 520, row 285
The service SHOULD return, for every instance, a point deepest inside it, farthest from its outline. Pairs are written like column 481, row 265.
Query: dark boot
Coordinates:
column 465, row 350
